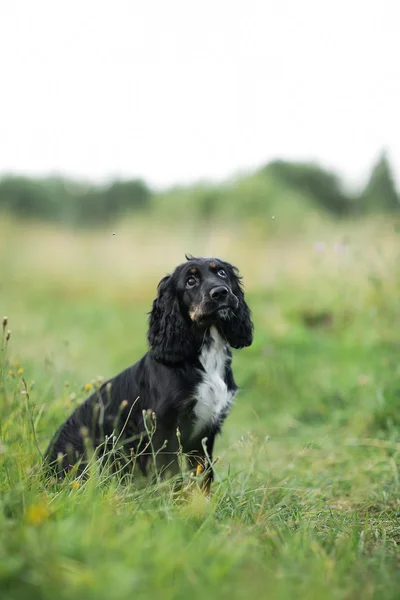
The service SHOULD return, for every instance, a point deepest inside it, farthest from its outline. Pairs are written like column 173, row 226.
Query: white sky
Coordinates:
column 176, row 90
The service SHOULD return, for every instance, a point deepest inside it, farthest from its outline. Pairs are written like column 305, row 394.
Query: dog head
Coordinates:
column 199, row 293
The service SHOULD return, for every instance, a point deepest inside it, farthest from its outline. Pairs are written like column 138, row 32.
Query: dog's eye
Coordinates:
column 191, row 282
column 222, row 273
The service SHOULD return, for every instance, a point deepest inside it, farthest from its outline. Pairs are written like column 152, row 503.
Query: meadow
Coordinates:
column 306, row 499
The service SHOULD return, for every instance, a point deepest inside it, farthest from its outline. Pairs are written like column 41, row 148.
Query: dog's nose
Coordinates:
column 219, row 293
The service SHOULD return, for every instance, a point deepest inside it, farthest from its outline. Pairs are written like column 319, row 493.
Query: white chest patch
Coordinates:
column 213, row 399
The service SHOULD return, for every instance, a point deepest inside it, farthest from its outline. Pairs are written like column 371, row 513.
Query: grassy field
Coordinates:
column 306, row 503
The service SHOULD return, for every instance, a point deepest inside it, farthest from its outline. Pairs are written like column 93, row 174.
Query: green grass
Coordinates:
column 306, row 500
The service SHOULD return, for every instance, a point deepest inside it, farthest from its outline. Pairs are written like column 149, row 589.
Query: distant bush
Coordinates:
column 71, row 202
column 323, row 187
column 197, row 202
column 28, row 198
column 251, row 198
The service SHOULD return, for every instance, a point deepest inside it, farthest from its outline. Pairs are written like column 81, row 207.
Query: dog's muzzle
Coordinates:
column 220, row 303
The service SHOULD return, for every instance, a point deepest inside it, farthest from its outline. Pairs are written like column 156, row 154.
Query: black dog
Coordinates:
column 175, row 399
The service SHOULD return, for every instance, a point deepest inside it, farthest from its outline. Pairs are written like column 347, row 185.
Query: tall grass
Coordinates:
column 305, row 503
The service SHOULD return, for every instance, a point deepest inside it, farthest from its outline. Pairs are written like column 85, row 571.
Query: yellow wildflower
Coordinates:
column 37, row 513
column 20, row 371
column 88, row 387
column 75, row 485
column 11, row 372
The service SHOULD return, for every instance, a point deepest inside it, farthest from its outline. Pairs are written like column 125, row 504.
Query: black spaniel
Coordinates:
column 173, row 401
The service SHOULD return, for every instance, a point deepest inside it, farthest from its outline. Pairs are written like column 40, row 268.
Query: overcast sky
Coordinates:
column 176, row 90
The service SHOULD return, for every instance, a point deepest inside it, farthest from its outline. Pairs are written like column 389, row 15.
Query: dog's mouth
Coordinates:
column 224, row 313
column 202, row 316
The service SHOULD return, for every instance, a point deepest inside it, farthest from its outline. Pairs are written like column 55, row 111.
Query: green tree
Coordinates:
column 380, row 194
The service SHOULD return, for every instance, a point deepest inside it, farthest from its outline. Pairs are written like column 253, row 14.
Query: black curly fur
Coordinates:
column 171, row 336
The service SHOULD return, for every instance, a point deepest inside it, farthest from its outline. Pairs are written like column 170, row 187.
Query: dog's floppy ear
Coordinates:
column 239, row 329
column 169, row 335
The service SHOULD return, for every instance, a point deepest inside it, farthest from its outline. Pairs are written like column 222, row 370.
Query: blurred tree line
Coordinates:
column 291, row 189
